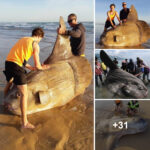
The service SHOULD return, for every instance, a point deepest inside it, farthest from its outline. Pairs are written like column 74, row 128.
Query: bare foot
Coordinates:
column 28, row 126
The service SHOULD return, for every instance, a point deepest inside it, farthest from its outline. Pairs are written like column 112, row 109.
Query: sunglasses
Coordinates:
column 124, row 4
column 69, row 21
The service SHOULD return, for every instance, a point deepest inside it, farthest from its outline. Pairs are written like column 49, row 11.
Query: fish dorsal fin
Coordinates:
column 133, row 16
column 62, row 48
column 107, row 60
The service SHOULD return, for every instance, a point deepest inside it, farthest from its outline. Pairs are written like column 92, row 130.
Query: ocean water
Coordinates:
column 11, row 32
column 99, row 28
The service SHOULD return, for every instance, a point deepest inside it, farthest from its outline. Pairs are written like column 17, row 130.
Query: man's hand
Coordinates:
column 114, row 26
column 44, row 66
column 30, row 67
column 60, row 30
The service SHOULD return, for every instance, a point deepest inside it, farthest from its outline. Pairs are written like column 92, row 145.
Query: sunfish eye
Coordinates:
column 125, row 90
column 140, row 88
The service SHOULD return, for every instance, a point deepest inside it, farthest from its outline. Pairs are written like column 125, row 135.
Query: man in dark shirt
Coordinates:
column 124, row 12
column 77, row 35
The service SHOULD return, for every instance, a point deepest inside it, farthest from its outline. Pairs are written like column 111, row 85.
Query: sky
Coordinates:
column 44, row 10
column 102, row 6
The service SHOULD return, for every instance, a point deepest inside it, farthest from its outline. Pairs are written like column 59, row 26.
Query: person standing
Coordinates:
column 15, row 63
column 77, row 35
column 124, row 12
column 98, row 72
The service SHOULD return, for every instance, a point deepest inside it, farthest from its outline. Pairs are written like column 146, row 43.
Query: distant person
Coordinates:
column 98, row 72
column 146, row 73
column 131, row 67
column 133, row 106
column 124, row 12
column 110, row 18
column 124, row 64
column 77, row 35
column 104, row 67
column 139, row 61
column 139, row 70
column 118, row 105
column 115, row 61
column 15, row 65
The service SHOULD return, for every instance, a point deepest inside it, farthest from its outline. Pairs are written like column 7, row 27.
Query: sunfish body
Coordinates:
column 122, row 83
column 132, row 33
column 67, row 77
column 111, row 135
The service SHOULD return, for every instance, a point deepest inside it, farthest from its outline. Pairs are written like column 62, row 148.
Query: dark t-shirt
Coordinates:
column 124, row 14
column 77, row 39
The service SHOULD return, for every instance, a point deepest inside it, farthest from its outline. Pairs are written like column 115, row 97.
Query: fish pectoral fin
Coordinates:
column 111, row 142
column 43, row 97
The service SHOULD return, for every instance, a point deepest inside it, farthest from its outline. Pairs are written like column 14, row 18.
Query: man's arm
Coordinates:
column 28, row 66
column 36, row 51
column 118, row 18
column 120, row 15
column 74, row 33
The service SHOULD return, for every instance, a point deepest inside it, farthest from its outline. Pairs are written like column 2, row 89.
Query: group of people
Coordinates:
column 132, row 106
column 138, row 68
column 112, row 13
column 16, row 61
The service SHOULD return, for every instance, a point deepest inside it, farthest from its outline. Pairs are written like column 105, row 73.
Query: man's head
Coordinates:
column 38, row 33
column 72, row 20
column 124, row 5
column 112, row 7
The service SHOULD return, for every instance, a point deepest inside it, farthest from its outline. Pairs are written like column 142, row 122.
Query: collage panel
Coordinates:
column 46, row 75
column 122, row 24
column 122, row 74
column 122, row 125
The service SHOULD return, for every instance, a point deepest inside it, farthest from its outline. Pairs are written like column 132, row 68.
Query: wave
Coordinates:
column 51, row 26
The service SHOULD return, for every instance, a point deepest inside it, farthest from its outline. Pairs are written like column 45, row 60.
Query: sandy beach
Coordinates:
column 69, row 127
column 129, row 142
column 65, row 128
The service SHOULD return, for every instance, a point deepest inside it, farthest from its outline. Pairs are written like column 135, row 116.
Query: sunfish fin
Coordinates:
column 107, row 60
column 133, row 15
column 62, row 48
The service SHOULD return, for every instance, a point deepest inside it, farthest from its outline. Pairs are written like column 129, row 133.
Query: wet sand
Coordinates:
column 129, row 142
column 69, row 127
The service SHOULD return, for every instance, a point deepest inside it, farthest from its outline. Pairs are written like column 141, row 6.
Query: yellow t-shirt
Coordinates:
column 112, row 16
column 21, row 51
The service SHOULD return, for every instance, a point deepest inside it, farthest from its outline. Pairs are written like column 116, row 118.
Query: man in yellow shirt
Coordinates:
column 14, row 67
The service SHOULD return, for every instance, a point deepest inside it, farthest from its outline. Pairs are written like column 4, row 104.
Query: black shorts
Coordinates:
column 108, row 24
column 15, row 71
column 118, row 104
